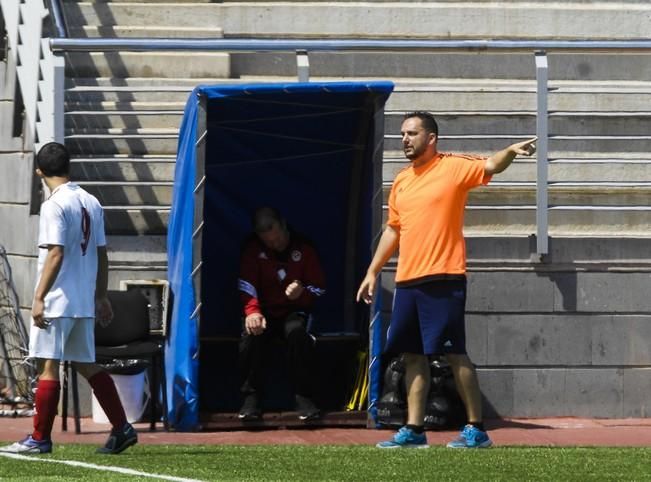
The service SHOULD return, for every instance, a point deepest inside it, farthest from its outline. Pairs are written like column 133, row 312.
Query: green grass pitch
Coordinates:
column 358, row 463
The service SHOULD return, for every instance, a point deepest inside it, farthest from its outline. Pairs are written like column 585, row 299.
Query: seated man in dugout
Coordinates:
column 280, row 279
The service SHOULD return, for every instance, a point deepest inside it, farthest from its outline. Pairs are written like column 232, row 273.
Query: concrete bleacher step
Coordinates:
column 567, row 194
column 93, row 115
column 598, row 208
column 108, row 106
column 484, row 95
column 557, row 143
column 524, row 123
column 561, row 193
column 490, row 95
column 126, row 119
column 513, row 251
column 465, row 65
column 188, row 82
column 130, row 193
column 563, row 170
column 137, row 251
column 123, row 141
column 331, row 2
column 93, row 94
column 139, row 64
column 136, row 219
column 624, row 221
column 140, row 31
column 124, row 168
column 570, row 221
column 424, row 20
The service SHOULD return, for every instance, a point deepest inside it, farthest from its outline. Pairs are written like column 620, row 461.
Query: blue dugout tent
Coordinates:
column 314, row 151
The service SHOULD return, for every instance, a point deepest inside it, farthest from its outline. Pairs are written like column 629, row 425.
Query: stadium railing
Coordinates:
column 52, row 66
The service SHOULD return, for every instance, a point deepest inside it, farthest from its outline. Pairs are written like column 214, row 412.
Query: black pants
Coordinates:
column 300, row 354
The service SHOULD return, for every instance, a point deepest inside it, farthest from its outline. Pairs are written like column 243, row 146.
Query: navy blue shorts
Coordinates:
column 428, row 319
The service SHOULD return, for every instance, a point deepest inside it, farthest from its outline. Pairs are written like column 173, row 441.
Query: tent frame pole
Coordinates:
column 199, row 193
column 302, row 66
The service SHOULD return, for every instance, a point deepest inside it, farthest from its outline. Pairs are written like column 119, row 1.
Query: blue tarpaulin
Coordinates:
column 312, row 150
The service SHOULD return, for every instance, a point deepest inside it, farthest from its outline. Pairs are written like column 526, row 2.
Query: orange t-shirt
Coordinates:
column 426, row 207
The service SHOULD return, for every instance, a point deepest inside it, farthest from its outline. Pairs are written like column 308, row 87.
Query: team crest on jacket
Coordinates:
column 296, row 255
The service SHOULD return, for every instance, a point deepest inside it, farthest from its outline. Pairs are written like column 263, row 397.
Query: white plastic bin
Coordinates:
column 134, row 393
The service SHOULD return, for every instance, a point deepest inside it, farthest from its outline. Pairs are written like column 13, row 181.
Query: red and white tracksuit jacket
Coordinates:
column 265, row 274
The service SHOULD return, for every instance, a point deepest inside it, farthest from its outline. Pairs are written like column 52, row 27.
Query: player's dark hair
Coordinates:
column 265, row 217
column 53, row 159
column 426, row 119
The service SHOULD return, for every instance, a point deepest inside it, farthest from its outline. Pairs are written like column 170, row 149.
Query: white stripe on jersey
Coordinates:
column 247, row 288
column 315, row 290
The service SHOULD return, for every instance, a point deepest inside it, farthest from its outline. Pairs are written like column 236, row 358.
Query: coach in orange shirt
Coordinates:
column 426, row 208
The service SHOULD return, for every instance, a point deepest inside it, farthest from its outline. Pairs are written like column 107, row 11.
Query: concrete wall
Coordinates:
column 566, row 337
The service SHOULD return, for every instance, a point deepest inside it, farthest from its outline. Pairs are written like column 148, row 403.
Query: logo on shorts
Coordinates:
column 262, row 255
column 447, row 344
column 296, row 255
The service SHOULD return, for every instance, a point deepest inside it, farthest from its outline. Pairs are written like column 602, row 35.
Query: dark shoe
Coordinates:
column 250, row 408
column 29, row 446
column 119, row 440
column 306, row 408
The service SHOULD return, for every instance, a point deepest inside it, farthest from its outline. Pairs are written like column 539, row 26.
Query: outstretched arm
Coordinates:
column 499, row 161
column 385, row 249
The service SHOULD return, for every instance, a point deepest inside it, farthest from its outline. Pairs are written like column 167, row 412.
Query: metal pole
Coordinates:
column 333, row 45
column 58, row 101
column 58, row 19
column 302, row 66
column 199, row 192
column 542, row 131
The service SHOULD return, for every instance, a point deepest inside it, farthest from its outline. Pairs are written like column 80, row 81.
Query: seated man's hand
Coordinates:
column 255, row 324
column 294, row 290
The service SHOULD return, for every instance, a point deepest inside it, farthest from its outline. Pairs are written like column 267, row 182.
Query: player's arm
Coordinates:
column 103, row 309
column 499, row 161
column 385, row 249
column 101, row 286
column 254, row 321
column 51, row 268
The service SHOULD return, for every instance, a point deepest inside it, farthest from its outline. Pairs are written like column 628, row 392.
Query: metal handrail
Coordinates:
column 315, row 45
column 302, row 46
column 58, row 20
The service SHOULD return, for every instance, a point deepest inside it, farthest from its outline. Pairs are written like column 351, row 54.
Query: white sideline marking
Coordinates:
column 107, row 468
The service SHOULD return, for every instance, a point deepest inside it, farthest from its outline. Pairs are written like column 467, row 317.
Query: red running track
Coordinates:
column 536, row 432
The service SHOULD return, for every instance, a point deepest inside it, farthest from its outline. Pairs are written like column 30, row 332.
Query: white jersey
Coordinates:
column 74, row 219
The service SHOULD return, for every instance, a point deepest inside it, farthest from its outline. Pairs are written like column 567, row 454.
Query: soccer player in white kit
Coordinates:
column 70, row 295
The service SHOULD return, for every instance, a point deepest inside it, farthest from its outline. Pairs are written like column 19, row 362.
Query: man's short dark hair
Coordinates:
column 53, row 159
column 265, row 217
column 426, row 119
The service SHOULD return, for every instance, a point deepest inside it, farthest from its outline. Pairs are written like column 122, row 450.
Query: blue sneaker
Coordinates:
column 29, row 446
column 471, row 438
column 405, row 438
